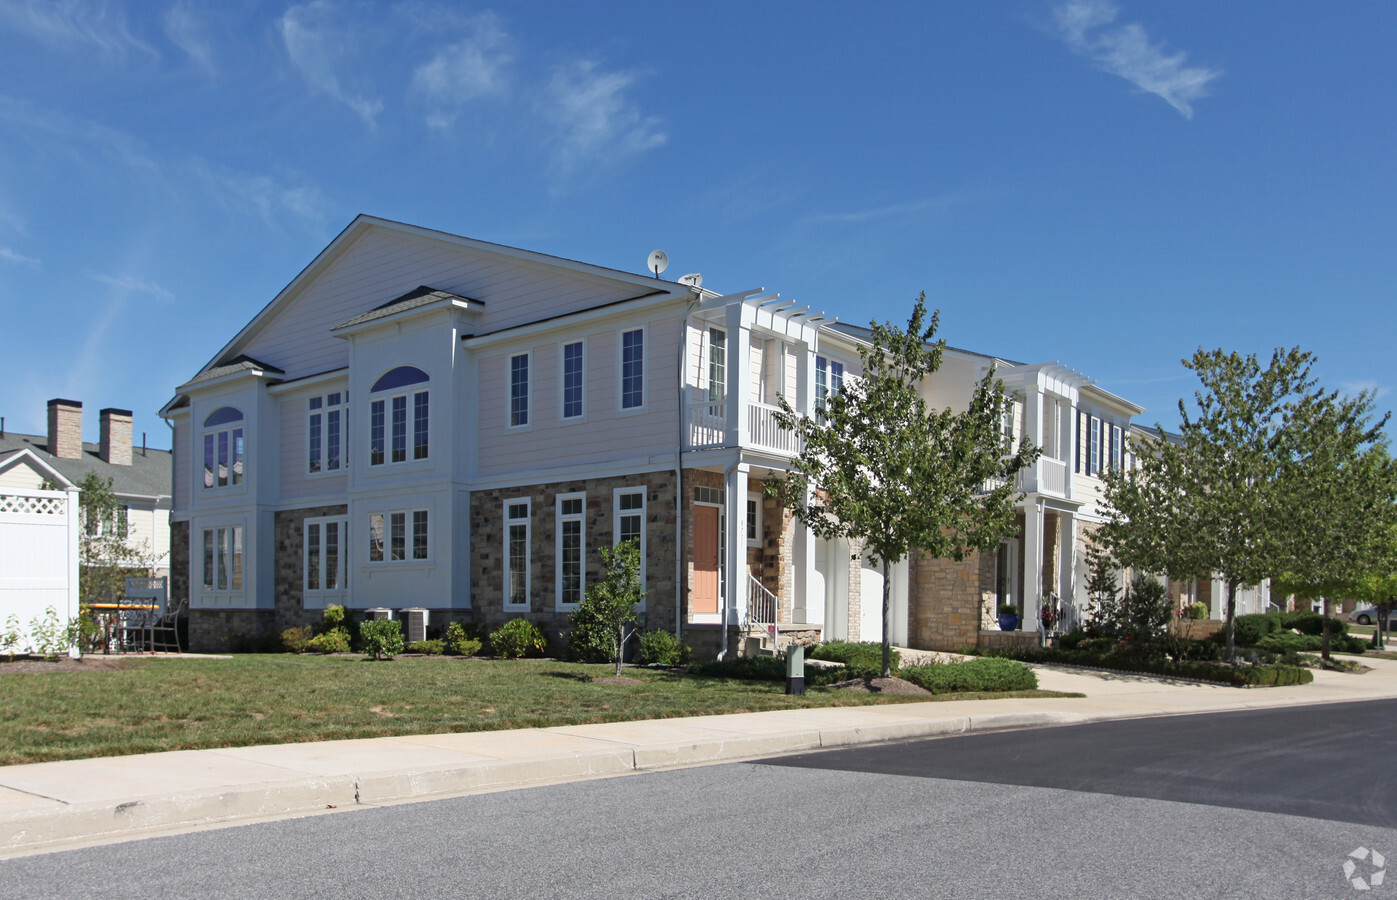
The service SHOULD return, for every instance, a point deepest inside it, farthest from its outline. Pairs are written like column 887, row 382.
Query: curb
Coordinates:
column 49, row 828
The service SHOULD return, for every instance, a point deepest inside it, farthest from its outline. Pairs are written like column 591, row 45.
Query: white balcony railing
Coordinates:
column 1052, row 477
column 707, row 427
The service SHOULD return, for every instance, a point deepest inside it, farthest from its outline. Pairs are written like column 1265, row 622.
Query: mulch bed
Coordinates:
column 22, row 665
column 881, row 686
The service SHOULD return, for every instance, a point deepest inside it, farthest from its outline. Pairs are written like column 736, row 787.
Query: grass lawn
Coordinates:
column 188, row 704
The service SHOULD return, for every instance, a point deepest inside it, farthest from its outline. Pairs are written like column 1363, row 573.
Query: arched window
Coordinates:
column 396, row 391
column 224, row 460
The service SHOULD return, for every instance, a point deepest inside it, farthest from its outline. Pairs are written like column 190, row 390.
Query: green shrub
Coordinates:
column 1260, row 672
column 1197, row 611
column 1308, row 622
column 773, row 668
column 517, row 638
column 336, row 641
column 1072, row 639
column 1145, row 608
column 296, row 640
column 459, row 642
column 1254, row 627
column 427, row 648
column 984, row 674
column 866, row 655
column 334, row 617
column 1285, row 642
column 382, row 638
column 662, row 648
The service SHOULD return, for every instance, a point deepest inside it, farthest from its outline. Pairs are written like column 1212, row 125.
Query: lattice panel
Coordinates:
column 33, row 506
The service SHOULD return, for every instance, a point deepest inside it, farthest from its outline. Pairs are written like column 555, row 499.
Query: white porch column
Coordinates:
column 735, row 542
column 1067, row 562
column 805, row 378
column 1033, row 567
column 1067, row 447
column 802, row 564
column 739, row 376
column 1033, row 430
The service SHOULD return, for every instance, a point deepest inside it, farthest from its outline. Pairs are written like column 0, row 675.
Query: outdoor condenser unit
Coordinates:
column 379, row 613
column 415, row 623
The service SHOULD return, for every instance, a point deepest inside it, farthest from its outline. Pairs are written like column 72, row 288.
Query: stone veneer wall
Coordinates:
column 487, row 548
column 290, row 537
column 179, row 561
column 947, row 599
column 222, row 630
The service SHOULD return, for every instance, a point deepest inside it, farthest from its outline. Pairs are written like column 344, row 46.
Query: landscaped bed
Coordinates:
column 151, row 705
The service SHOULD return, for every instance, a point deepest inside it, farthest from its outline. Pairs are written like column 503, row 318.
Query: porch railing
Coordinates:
column 1052, row 475
column 762, row 609
column 761, row 425
column 708, row 421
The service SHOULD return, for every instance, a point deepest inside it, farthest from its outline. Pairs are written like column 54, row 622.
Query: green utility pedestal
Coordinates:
column 795, row 670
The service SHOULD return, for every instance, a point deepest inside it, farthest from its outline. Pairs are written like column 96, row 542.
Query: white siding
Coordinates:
column 756, row 347
column 380, row 266
column 182, row 441
column 22, row 476
column 296, row 480
column 607, row 433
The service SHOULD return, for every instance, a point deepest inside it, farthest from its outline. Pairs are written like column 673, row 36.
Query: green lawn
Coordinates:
column 186, row 704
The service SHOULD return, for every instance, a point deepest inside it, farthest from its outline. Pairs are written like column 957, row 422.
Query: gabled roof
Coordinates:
column 416, row 298
column 366, row 223
column 149, row 475
column 27, row 454
column 241, row 363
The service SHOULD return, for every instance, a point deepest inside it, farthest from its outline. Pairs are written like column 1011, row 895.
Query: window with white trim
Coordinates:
column 519, row 390
column 570, row 549
column 224, row 461
column 1094, row 451
column 633, row 369
column 399, row 535
column 327, row 424
column 754, row 520
column 223, row 558
column 574, row 364
column 829, row 380
column 1117, row 448
column 717, row 364
column 325, row 545
column 516, row 554
column 388, row 416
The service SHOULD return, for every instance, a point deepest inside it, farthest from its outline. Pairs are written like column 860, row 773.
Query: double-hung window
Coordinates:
column 570, row 549
column 574, row 366
column 516, row 554
column 754, row 520
column 1094, row 449
column 629, row 517
column 717, row 364
column 223, row 448
column 324, row 559
column 829, row 380
column 519, row 390
column 327, row 418
column 398, row 393
column 399, row 535
column 633, row 369
column 1117, row 448
column 223, row 558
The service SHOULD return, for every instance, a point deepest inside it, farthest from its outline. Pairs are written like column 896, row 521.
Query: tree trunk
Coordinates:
column 620, row 648
column 887, row 614
column 1231, row 620
column 1324, row 640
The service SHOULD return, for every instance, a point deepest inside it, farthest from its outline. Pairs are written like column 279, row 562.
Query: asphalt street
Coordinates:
column 1275, row 808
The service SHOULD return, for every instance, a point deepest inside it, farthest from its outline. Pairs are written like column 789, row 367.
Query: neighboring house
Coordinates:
column 140, row 476
column 426, row 421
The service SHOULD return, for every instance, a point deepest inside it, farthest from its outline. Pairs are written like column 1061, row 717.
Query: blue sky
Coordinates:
column 1109, row 185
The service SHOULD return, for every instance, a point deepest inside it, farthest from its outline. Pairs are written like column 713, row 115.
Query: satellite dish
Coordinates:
column 692, row 280
column 658, row 262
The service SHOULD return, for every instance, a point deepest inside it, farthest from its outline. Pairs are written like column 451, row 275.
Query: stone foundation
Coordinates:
column 226, row 630
column 179, row 562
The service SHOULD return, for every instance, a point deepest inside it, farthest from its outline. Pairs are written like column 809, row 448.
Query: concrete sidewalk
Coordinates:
column 51, row 806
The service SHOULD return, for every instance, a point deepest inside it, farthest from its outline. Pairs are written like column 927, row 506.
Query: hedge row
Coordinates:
column 985, row 674
column 1286, row 642
column 1261, row 675
column 865, row 655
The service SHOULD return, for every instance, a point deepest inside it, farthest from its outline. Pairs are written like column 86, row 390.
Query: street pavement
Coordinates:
column 50, row 806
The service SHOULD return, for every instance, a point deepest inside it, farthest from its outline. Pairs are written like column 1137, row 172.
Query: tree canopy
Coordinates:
column 881, row 468
column 1271, row 477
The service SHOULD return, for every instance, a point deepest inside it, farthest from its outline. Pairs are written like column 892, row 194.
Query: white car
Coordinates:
column 1367, row 615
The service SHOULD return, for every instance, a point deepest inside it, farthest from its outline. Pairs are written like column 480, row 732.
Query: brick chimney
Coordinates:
column 65, row 428
column 116, row 436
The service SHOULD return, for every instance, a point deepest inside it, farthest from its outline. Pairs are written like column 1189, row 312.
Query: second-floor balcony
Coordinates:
column 708, row 426
column 1046, row 476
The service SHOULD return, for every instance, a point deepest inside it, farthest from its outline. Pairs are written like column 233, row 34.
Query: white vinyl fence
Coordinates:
column 38, row 557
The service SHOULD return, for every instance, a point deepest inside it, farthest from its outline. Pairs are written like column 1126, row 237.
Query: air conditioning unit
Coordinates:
column 379, row 613
column 415, row 623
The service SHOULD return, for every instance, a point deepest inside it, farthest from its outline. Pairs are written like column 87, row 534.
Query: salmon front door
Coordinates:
column 705, row 596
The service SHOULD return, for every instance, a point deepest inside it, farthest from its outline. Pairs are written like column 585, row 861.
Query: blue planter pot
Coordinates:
column 1008, row 623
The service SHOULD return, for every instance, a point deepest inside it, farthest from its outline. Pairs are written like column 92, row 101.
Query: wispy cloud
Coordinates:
column 320, row 44
column 10, row 256
column 188, row 31
column 263, row 196
column 1354, row 388
column 473, row 68
column 1125, row 50
column 595, row 121
column 891, row 210
column 35, row 121
column 130, row 284
column 75, row 24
